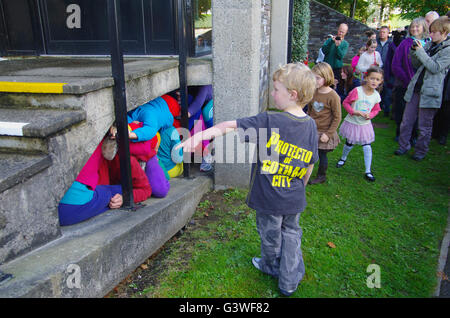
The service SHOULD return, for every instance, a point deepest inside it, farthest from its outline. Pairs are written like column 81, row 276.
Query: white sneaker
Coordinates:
column 206, row 164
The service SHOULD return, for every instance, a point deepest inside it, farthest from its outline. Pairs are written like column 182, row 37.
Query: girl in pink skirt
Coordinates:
column 362, row 104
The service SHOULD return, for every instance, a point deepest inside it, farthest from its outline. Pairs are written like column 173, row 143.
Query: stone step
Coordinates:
column 25, row 130
column 39, row 123
column 60, row 82
column 92, row 257
column 15, row 168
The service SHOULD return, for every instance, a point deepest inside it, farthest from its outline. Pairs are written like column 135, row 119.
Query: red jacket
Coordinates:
column 141, row 187
column 110, row 174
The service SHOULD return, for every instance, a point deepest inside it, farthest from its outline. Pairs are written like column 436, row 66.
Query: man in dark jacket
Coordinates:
column 383, row 48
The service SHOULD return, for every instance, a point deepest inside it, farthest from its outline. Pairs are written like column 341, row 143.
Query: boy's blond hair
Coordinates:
column 324, row 70
column 441, row 25
column 297, row 77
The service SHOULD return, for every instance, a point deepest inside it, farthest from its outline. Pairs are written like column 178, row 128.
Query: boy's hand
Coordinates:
column 324, row 138
column 191, row 143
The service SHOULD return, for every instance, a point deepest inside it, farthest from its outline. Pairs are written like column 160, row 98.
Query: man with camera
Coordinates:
column 335, row 49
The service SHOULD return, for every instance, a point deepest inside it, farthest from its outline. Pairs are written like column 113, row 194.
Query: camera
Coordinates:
column 415, row 45
column 338, row 38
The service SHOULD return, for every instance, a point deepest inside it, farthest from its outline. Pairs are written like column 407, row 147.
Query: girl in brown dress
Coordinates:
column 325, row 109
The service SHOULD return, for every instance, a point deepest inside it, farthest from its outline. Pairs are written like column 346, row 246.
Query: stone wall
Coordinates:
column 324, row 21
column 266, row 8
column 237, row 81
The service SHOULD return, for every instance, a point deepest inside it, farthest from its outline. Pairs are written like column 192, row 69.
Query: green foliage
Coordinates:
column 204, row 21
column 418, row 8
column 362, row 11
column 300, row 30
column 201, row 7
column 410, row 9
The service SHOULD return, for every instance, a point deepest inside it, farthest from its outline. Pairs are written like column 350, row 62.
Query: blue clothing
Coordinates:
column 154, row 115
column 193, row 119
column 208, row 113
column 383, row 50
column 77, row 194
column 342, row 92
column 204, row 95
column 72, row 213
column 202, row 99
column 169, row 139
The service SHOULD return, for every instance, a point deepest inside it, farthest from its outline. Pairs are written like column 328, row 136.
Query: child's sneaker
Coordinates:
column 206, row 165
column 340, row 163
column 287, row 292
column 256, row 262
column 370, row 177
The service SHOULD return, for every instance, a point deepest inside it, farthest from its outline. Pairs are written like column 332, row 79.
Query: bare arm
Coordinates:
column 218, row 130
column 308, row 174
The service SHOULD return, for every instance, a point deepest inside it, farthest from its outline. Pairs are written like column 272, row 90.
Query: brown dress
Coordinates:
column 325, row 109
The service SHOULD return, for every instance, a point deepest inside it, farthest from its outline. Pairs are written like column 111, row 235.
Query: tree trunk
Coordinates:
column 382, row 6
column 353, row 9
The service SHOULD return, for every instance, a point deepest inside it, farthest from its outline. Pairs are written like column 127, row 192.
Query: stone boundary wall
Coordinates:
column 324, row 21
column 266, row 8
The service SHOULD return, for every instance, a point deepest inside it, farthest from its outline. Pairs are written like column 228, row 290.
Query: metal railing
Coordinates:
column 120, row 103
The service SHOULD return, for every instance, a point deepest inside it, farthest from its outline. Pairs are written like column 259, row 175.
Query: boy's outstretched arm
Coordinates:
column 215, row 131
column 308, row 174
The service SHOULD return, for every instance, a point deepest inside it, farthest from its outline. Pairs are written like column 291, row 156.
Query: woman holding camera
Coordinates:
column 424, row 93
column 402, row 68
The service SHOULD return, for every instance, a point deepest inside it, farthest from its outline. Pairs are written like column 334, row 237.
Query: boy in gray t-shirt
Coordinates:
column 278, row 180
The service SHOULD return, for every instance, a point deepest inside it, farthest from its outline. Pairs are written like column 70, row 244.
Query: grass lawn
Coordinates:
column 397, row 223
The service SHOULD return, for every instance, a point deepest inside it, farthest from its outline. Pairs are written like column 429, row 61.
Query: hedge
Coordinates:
column 300, row 30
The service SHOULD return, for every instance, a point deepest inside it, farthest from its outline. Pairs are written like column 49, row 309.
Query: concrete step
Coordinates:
column 92, row 257
column 63, row 82
column 15, row 169
column 39, row 123
column 23, row 130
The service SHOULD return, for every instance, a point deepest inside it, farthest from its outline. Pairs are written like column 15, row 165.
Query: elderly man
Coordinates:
column 431, row 16
column 383, row 48
column 335, row 49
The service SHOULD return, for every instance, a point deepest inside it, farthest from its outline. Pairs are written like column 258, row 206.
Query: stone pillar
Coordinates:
column 278, row 38
column 236, row 80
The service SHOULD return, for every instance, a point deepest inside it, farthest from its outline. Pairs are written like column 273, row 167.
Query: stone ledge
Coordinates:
column 84, row 75
column 39, row 122
column 104, row 249
column 15, row 168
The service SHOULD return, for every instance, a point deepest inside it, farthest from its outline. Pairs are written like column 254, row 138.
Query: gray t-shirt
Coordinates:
column 291, row 145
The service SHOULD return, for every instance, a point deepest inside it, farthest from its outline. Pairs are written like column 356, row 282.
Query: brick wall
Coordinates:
column 324, row 21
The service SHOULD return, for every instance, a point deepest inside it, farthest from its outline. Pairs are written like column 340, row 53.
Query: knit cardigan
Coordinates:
column 401, row 66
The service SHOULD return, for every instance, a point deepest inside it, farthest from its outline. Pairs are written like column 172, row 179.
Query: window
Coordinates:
column 202, row 27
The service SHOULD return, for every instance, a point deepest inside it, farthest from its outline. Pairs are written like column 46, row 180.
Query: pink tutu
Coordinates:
column 357, row 134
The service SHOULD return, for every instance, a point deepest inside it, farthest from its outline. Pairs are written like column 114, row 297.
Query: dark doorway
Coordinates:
column 20, row 28
column 80, row 27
